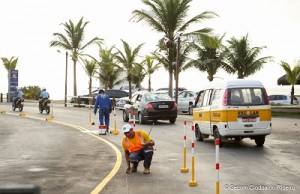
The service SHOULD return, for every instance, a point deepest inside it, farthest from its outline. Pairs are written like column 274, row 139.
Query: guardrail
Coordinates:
column 293, row 109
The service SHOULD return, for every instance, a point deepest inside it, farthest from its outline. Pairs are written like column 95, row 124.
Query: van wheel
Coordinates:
column 198, row 134
column 260, row 140
column 217, row 135
column 125, row 117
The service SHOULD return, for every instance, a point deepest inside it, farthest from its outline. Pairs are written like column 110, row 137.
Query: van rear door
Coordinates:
column 248, row 109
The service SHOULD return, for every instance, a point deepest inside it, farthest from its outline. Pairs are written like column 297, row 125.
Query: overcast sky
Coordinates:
column 27, row 28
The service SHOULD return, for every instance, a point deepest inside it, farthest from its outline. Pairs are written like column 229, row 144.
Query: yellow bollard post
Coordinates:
column 193, row 182
column 51, row 115
column 22, row 114
column 184, row 169
column 115, row 131
column 90, row 114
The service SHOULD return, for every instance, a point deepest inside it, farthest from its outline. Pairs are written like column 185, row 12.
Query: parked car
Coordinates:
column 85, row 97
column 150, row 106
column 134, row 88
column 112, row 93
column 281, row 99
column 186, row 100
column 174, row 90
column 120, row 102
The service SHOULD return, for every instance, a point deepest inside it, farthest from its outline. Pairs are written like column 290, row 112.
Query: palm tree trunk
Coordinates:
column 90, row 87
column 129, row 84
column 292, row 94
column 75, row 85
column 149, row 83
column 170, row 72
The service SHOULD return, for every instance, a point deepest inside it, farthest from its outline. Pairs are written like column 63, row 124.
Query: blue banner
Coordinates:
column 13, row 83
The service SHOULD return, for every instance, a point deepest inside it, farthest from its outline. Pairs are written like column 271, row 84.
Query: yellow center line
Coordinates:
column 118, row 162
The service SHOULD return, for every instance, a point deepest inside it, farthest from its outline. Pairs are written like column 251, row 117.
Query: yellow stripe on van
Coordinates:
column 230, row 115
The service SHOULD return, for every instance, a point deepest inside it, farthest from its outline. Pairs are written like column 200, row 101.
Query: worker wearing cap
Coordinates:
column 138, row 146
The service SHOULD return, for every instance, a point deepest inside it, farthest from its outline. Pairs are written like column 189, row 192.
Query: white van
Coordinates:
column 233, row 109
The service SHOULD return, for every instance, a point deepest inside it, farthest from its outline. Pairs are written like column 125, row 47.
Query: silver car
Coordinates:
column 280, row 99
column 186, row 100
column 120, row 102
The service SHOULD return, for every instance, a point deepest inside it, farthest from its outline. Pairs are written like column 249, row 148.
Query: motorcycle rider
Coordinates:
column 18, row 95
column 43, row 96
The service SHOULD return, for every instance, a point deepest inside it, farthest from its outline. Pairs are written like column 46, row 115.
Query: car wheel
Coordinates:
column 141, row 118
column 172, row 120
column 260, row 140
column 217, row 135
column 198, row 134
column 125, row 117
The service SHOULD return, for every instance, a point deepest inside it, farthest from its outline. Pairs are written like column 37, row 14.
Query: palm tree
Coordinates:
column 10, row 64
column 150, row 68
column 128, row 60
column 138, row 74
column 244, row 59
column 183, row 64
column 168, row 17
column 291, row 75
column 73, row 42
column 210, row 55
column 90, row 67
column 109, row 71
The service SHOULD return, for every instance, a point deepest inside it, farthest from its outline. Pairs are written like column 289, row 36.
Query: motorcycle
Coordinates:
column 44, row 104
column 19, row 104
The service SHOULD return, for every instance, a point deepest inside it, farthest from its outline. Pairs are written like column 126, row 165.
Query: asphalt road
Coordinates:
column 66, row 155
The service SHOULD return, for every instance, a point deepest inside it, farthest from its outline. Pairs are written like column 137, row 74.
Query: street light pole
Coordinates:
column 66, row 79
column 177, row 68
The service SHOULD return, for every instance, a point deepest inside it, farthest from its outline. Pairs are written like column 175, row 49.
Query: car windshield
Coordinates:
column 182, row 95
column 157, row 97
column 125, row 87
column 159, row 89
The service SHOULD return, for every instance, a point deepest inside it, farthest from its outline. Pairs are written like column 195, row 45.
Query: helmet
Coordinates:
column 18, row 88
column 43, row 89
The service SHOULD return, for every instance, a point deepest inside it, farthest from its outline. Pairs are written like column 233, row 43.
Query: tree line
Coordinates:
column 176, row 46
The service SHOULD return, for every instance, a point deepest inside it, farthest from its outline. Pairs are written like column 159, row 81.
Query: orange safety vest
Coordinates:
column 133, row 147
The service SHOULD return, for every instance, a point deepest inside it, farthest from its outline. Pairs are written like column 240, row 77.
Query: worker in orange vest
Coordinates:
column 138, row 146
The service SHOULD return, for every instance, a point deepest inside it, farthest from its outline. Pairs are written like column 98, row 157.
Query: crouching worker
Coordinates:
column 138, row 146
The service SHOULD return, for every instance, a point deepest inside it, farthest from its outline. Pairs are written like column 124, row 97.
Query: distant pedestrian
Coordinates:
column 105, row 107
column 138, row 146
